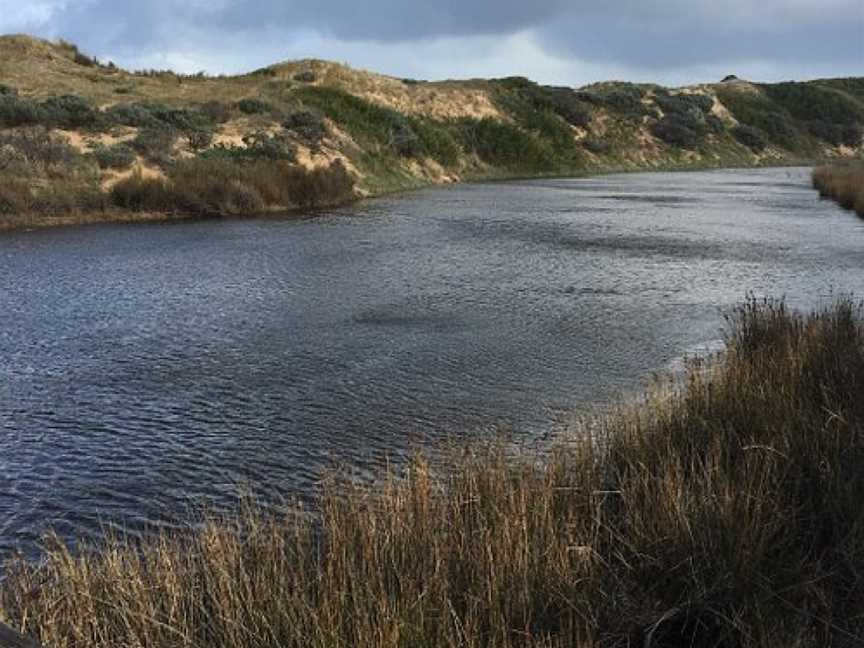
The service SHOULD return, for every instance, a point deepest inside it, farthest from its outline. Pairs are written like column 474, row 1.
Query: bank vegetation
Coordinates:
column 843, row 183
column 723, row 509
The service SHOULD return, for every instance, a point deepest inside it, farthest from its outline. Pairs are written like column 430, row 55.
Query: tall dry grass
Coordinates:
column 222, row 187
column 843, row 183
column 721, row 511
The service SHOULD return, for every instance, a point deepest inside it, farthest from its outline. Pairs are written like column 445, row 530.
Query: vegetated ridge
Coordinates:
column 85, row 140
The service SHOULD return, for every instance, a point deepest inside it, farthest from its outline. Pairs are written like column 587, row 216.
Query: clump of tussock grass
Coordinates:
column 843, row 183
column 723, row 510
column 220, row 186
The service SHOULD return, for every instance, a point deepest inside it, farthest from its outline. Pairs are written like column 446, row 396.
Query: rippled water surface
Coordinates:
column 147, row 367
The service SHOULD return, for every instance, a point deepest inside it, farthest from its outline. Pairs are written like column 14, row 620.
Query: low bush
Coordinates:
column 677, row 134
column 155, row 144
column 16, row 111
column 67, row 111
column 685, row 129
column 756, row 110
column 564, row 102
column 215, row 111
column 843, row 183
column 624, row 99
column 836, row 134
column 308, row 125
column 714, row 124
column 504, row 145
column 253, row 106
column 683, row 103
column 811, row 102
column 437, row 141
column 35, row 148
column 152, row 115
column 750, row 137
column 380, row 126
column 116, row 156
column 257, row 146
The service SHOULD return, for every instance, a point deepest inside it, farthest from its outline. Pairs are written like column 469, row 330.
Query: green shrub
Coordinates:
column 836, row 134
column 750, row 137
column 215, row 111
column 811, row 102
column 18, row 111
column 254, row 106
column 373, row 124
column 36, row 148
column 756, row 110
column 622, row 98
column 437, row 141
column 155, row 144
column 683, row 133
column 504, row 145
column 156, row 115
column 68, row 111
column 117, row 156
column 683, row 103
column 564, row 102
column 7, row 91
column 257, row 146
column 308, row 125
column 714, row 124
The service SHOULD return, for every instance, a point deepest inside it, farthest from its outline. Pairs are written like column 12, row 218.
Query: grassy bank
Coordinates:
column 843, row 183
column 724, row 510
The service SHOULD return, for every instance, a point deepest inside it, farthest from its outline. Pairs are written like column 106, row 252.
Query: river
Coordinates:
column 148, row 368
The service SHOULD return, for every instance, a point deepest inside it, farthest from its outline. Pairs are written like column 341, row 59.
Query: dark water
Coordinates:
column 144, row 368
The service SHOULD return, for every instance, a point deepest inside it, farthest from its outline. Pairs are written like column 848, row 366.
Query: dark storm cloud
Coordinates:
column 662, row 40
column 631, row 34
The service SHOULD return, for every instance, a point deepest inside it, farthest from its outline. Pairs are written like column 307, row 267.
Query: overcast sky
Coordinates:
column 568, row 42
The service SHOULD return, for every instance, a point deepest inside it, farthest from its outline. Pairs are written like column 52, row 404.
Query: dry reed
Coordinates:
column 721, row 511
column 843, row 183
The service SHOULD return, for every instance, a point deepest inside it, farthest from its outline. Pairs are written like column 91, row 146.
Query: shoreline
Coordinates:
column 725, row 507
column 31, row 222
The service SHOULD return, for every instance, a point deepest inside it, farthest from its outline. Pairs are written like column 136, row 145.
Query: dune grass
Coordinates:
column 722, row 510
column 843, row 183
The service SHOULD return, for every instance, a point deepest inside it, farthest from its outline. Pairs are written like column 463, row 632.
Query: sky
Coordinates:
column 562, row 42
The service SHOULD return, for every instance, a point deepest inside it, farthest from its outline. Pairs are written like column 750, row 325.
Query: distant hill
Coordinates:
column 82, row 140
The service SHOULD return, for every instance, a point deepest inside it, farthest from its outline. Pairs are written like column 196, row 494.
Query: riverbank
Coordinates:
column 842, row 183
column 721, row 510
column 151, row 200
